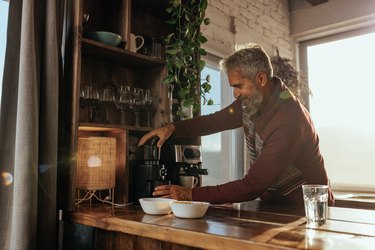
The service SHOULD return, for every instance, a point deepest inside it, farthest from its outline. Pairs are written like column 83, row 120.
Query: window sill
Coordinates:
column 355, row 199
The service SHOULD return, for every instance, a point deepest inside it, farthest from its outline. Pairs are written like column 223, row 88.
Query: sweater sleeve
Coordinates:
column 270, row 164
column 227, row 118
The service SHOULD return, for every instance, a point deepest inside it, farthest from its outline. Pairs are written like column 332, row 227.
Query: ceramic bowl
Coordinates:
column 155, row 205
column 189, row 209
column 105, row 37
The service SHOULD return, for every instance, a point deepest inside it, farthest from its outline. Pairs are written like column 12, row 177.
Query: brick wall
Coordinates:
column 265, row 22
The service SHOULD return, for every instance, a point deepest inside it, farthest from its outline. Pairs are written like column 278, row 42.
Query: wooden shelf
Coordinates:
column 101, row 52
column 110, row 127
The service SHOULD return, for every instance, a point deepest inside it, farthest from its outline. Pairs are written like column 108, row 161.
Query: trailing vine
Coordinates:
column 183, row 51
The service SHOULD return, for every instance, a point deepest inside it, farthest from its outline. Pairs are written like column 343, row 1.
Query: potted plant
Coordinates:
column 293, row 79
column 183, row 53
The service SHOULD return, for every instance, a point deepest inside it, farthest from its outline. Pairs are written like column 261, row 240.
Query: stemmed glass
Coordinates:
column 147, row 104
column 91, row 93
column 138, row 101
column 82, row 96
column 107, row 99
column 124, row 101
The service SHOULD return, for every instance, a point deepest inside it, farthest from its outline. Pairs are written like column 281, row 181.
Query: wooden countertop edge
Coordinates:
column 170, row 234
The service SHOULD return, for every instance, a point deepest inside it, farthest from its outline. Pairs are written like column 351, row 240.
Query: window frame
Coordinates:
column 302, row 56
column 232, row 141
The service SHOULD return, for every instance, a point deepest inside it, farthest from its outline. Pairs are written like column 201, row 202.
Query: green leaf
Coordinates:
column 202, row 52
column 176, row 3
column 172, row 51
column 168, row 38
column 204, row 4
column 184, row 92
column 201, row 65
column 187, row 18
column 207, row 21
column 171, row 21
column 202, row 39
column 168, row 79
column 210, row 102
column 208, row 78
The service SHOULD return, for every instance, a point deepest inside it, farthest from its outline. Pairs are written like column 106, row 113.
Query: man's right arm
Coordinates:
column 225, row 119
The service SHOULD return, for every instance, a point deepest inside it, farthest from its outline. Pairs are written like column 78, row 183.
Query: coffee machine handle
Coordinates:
column 199, row 171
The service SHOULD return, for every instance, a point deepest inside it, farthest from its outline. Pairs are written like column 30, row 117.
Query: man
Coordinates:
column 282, row 141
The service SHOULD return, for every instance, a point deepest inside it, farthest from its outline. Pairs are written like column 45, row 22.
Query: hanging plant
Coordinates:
column 293, row 79
column 183, row 52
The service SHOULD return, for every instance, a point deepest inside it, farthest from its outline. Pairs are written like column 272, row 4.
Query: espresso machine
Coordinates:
column 163, row 167
column 182, row 160
column 147, row 173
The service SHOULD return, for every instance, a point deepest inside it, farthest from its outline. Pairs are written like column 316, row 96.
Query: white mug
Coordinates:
column 188, row 181
column 133, row 42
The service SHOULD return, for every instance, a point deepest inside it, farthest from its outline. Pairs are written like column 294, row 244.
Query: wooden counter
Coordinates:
column 250, row 225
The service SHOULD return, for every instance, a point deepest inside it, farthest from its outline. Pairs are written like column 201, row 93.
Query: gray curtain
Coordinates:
column 29, row 125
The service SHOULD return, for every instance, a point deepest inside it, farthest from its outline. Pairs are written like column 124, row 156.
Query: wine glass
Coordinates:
column 92, row 97
column 147, row 104
column 82, row 96
column 138, row 101
column 124, row 101
column 107, row 99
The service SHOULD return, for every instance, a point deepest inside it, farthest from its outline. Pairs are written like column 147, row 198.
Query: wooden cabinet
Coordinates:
column 89, row 62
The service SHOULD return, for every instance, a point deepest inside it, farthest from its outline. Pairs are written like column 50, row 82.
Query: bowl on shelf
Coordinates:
column 189, row 209
column 156, row 205
column 108, row 38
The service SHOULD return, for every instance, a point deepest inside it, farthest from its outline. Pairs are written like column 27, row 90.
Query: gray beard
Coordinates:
column 250, row 105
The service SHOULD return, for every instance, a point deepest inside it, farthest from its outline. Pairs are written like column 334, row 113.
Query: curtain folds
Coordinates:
column 29, row 125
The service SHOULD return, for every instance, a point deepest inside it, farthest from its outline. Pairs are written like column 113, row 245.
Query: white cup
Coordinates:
column 188, row 181
column 134, row 40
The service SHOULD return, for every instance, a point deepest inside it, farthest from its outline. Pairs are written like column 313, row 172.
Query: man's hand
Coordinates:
column 173, row 192
column 163, row 133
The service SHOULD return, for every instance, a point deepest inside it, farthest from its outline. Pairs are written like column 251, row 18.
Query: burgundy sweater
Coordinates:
column 289, row 138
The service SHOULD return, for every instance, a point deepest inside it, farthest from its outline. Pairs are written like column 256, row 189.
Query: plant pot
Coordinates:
column 186, row 112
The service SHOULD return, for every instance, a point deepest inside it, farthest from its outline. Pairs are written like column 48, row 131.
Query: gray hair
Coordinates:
column 250, row 60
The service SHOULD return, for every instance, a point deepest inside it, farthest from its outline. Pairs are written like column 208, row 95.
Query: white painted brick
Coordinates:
column 268, row 20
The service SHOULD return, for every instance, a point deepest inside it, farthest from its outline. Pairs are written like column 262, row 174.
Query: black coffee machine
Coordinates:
column 163, row 166
column 182, row 160
column 147, row 173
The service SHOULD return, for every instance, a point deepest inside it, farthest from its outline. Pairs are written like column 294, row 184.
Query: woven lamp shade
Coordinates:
column 96, row 163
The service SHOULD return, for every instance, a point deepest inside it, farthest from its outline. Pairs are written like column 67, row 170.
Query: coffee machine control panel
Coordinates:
column 191, row 154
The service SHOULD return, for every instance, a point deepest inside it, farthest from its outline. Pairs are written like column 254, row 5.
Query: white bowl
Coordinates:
column 155, row 205
column 189, row 209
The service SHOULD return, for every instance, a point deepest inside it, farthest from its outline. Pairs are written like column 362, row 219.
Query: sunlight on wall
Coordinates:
column 343, row 108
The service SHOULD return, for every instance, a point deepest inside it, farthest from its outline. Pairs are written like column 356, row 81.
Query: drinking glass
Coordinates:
column 138, row 102
column 92, row 97
column 147, row 104
column 82, row 96
column 107, row 99
column 124, row 101
column 316, row 203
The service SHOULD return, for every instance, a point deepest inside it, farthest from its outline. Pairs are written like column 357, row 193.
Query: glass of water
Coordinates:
column 316, row 203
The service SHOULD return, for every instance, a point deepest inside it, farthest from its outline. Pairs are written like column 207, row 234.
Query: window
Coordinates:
column 3, row 31
column 222, row 153
column 343, row 106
